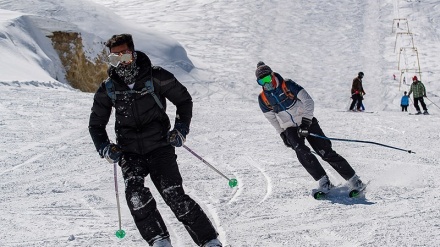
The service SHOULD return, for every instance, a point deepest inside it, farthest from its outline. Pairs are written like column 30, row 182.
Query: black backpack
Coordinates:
column 148, row 88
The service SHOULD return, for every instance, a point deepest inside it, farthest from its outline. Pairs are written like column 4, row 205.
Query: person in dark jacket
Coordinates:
column 357, row 93
column 145, row 145
column 290, row 111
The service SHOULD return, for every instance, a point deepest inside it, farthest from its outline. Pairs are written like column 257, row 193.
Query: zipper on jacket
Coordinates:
column 135, row 112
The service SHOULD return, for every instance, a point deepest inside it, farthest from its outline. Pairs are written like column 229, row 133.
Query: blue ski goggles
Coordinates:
column 264, row 80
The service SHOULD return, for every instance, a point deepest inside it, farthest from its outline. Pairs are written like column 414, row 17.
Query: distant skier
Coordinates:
column 357, row 93
column 419, row 91
column 404, row 102
column 289, row 108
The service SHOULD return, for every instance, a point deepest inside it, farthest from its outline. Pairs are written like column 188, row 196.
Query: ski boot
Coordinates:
column 213, row 243
column 356, row 186
column 418, row 113
column 324, row 187
column 164, row 242
column 425, row 112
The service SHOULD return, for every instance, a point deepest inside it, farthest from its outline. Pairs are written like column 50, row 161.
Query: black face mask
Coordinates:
column 128, row 72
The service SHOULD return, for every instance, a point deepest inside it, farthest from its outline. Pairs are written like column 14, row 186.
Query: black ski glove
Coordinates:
column 177, row 136
column 284, row 137
column 111, row 152
column 303, row 130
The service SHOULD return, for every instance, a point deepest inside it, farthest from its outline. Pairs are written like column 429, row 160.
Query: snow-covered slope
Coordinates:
column 56, row 191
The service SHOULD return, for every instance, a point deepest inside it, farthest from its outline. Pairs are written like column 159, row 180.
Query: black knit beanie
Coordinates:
column 262, row 70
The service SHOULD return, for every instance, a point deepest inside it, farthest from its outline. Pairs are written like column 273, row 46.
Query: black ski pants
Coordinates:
column 322, row 147
column 357, row 100
column 162, row 167
column 404, row 107
column 422, row 102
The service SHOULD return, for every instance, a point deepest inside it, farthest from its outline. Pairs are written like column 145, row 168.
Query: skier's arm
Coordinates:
column 99, row 117
column 304, row 97
column 308, row 104
column 273, row 120
column 270, row 115
column 176, row 93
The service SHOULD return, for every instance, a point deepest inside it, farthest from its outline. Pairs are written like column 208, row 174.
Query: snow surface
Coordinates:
column 56, row 191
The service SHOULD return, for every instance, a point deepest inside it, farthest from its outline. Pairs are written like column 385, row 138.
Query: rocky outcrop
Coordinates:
column 81, row 72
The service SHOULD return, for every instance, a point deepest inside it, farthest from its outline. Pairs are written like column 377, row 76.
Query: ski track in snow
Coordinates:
column 267, row 179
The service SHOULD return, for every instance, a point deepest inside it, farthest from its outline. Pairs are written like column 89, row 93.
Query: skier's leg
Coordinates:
column 323, row 148
column 422, row 102
column 166, row 177
column 416, row 104
column 353, row 103
column 359, row 103
column 140, row 200
column 305, row 156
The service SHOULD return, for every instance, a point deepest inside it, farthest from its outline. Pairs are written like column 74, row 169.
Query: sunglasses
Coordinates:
column 114, row 59
column 264, row 80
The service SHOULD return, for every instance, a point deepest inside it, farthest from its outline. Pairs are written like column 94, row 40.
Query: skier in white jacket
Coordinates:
column 289, row 108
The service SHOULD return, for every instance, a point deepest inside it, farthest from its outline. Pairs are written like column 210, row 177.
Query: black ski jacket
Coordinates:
column 140, row 124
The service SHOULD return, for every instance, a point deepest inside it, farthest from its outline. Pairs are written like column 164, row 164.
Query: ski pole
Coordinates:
column 119, row 233
column 432, row 102
column 348, row 140
column 232, row 182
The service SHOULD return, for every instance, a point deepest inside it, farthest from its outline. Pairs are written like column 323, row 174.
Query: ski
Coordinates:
column 319, row 194
column 355, row 193
column 358, row 111
column 363, row 111
column 339, row 191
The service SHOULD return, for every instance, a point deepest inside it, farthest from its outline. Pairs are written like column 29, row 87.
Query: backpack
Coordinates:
column 286, row 91
column 148, row 88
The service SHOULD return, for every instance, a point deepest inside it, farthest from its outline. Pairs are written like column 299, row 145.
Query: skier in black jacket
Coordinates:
column 145, row 145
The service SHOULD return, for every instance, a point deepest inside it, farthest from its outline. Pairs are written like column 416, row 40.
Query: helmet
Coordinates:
column 361, row 74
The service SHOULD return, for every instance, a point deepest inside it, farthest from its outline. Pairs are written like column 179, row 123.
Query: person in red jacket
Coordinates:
column 357, row 93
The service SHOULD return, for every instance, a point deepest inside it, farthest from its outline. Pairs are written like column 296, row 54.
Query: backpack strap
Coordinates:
column 286, row 90
column 149, row 88
column 110, row 87
column 265, row 100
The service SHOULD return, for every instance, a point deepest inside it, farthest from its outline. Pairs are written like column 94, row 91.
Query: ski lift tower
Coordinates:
column 400, row 34
column 399, row 20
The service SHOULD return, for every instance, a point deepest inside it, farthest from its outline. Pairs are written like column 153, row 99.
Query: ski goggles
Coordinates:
column 264, row 80
column 114, row 59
